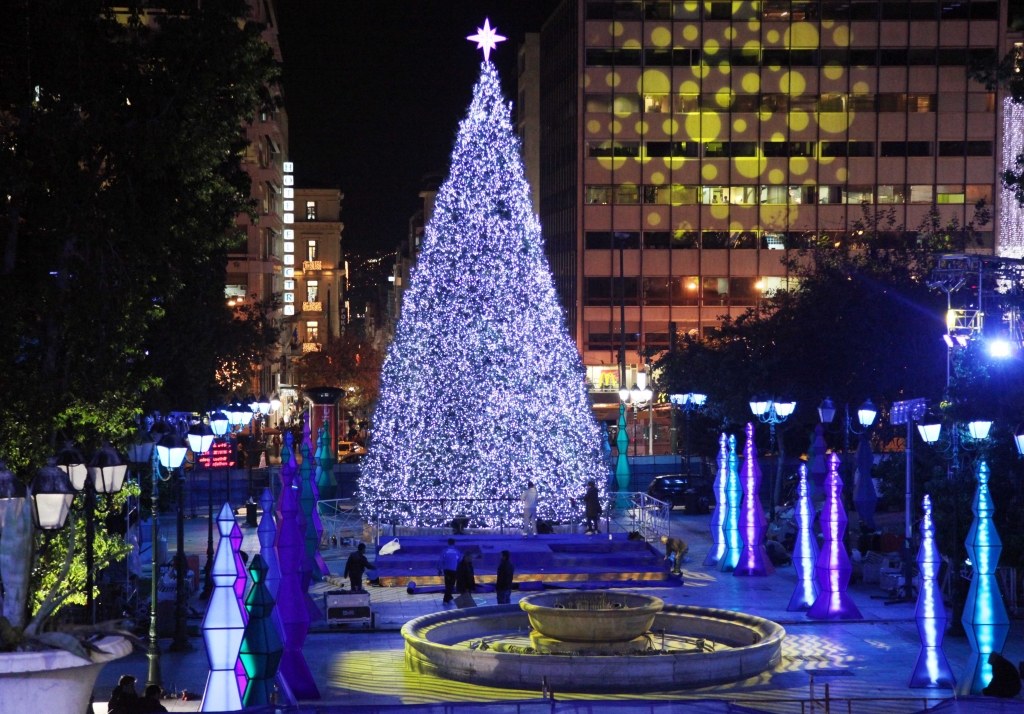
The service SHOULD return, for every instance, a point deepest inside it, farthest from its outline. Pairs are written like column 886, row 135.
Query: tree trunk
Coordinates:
column 777, row 492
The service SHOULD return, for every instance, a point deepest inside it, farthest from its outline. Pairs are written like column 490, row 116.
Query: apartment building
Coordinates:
column 688, row 147
column 254, row 261
column 315, row 273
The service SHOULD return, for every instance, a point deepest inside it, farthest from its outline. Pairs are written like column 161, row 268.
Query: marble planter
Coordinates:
column 595, row 616
column 54, row 680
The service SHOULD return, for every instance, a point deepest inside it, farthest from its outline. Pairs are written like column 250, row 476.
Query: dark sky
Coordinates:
column 374, row 91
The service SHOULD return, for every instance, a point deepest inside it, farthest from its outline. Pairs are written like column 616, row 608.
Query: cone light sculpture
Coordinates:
column 754, row 559
column 805, row 549
column 832, row 567
column 223, row 626
column 261, row 647
column 731, row 524
column 718, row 545
column 984, row 617
column 932, row 670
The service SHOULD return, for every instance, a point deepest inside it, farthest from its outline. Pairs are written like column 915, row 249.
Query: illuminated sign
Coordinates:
column 289, row 167
column 289, row 284
column 289, row 297
column 289, row 272
column 312, row 265
column 312, row 306
column 289, row 193
column 289, row 247
column 289, row 259
column 289, row 309
column 289, row 205
column 221, row 456
column 289, row 180
column 289, row 218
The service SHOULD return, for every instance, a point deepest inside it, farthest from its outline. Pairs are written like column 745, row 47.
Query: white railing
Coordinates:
column 636, row 511
column 341, row 519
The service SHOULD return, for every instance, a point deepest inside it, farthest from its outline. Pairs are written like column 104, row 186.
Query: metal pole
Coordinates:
column 907, row 588
column 772, row 439
column 650, row 427
column 181, row 643
column 90, row 539
column 687, row 442
column 153, row 650
column 622, row 317
column 208, row 571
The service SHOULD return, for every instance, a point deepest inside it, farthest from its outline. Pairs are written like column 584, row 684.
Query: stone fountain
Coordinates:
column 598, row 640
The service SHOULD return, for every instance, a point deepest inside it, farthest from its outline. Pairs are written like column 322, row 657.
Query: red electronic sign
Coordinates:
column 221, row 456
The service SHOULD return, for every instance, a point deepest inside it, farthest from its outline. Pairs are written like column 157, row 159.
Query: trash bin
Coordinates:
column 690, row 501
column 250, row 514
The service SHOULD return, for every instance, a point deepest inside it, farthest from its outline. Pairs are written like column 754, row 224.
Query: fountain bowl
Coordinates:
column 595, row 616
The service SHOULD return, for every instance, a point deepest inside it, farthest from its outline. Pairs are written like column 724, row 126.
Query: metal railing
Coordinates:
column 635, row 511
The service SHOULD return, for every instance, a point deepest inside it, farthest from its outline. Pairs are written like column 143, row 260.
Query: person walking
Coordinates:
column 529, row 510
column 465, row 581
column 506, row 572
column 356, row 565
column 447, row 567
column 592, row 508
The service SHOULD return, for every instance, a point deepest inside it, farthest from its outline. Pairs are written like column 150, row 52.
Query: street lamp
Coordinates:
column 772, row 413
column 171, row 450
column 201, row 437
column 689, row 402
column 866, row 414
column 907, row 412
column 641, row 396
column 1018, row 439
column 107, row 476
column 52, row 494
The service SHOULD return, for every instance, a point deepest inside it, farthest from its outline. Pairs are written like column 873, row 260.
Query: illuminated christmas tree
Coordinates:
column 482, row 389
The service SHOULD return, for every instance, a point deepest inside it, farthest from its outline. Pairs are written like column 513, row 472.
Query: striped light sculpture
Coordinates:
column 731, row 523
column 805, row 549
column 754, row 559
column 718, row 545
column 932, row 670
column 223, row 626
column 261, row 647
column 984, row 617
column 832, row 567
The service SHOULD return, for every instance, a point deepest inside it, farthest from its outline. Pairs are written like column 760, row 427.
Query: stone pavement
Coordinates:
column 861, row 660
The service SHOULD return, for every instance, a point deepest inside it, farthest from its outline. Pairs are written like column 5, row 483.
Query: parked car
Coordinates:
column 680, row 490
column 349, row 452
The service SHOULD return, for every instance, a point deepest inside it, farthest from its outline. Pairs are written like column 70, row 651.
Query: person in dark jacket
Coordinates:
column 503, row 585
column 592, row 507
column 1005, row 678
column 465, row 578
column 150, row 701
column 446, row 566
column 124, row 699
column 355, row 567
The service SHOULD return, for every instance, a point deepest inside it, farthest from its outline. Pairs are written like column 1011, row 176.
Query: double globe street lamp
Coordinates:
column 687, row 403
column 638, row 397
column 772, row 412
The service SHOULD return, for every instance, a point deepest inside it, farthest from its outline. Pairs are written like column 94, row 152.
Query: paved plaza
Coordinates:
column 867, row 661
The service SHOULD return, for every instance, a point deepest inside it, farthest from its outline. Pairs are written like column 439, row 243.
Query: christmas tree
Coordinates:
column 482, row 389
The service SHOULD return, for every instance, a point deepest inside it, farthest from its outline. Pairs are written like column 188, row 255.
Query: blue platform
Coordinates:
column 544, row 558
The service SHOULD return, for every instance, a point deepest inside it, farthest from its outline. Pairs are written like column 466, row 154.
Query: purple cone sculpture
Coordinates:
column 240, row 582
column 223, row 626
column 932, row 670
column 864, row 497
column 754, row 559
column 306, row 484
column 267, row 533
column 833, row 565
column 984, row 617
column 816, row 459
column 291, row 598
column 731, row 524
column 805, row 549
column 261, row 646
column 317, row 477
column 718, row 544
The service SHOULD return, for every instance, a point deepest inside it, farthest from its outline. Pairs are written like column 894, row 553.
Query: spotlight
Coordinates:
column 999, row 349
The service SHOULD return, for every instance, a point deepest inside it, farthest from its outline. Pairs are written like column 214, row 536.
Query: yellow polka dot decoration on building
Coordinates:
column 860, row 87
column 661, row 36
column 612, row 79
column 671, row 126
column 739, row 125
column 622, row 106
column 840, row 36
column 797, row 120
column 702, row 70
column 593, row 126
column 689, row 87
column 778, row 136
column 641, row 128
column 730, row 32
column 653, row 219
column 709, row 172
column 657, row 178
column 798, row 165
column 835, row 122
column 721, row 212
column 711, row 47
column 832, row 71
column 607, row 162
column 827, row 24
column 615, row 127
column 801, row 35
column 751, row 83
column 654, row 81
column 616, row 28
column 792, row 83
column 751, row 167
column 776, row 176
column 632, row 44
column 841, row 174
column 777, row 217
column 723, row 98
column 690, row 32
column 753, row 25
column 772, row 36
column 703, row 126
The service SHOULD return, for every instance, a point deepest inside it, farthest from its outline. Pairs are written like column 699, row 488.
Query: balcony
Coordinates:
column 312, row 265
column 312, row 306
column 311, row 347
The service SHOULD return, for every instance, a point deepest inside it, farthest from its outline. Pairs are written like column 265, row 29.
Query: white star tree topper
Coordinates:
column 487, row 39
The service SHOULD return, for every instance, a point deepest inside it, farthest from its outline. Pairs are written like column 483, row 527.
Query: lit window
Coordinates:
column 311, row 212
column 312, row 332
column 312, row 291
column 312, row 253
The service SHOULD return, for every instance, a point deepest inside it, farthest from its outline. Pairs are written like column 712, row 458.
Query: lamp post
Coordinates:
column 159, row 430
column 52, row 495
column 689, row 402
column 865, row 416
column 907, row 412
column 171, row 451
column 772, row 413
column 639, row 397
column 219, row 425
column 107, row 476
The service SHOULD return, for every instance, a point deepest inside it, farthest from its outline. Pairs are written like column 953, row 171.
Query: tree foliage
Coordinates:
column 348, row 362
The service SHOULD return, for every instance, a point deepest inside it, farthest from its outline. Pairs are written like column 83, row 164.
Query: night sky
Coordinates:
column 374, row 91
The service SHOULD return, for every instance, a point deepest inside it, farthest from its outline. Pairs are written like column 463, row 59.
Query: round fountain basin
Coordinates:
column 687, row 647
column 595, row 616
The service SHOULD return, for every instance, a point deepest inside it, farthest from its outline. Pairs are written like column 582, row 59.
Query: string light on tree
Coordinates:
column 482, row 389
